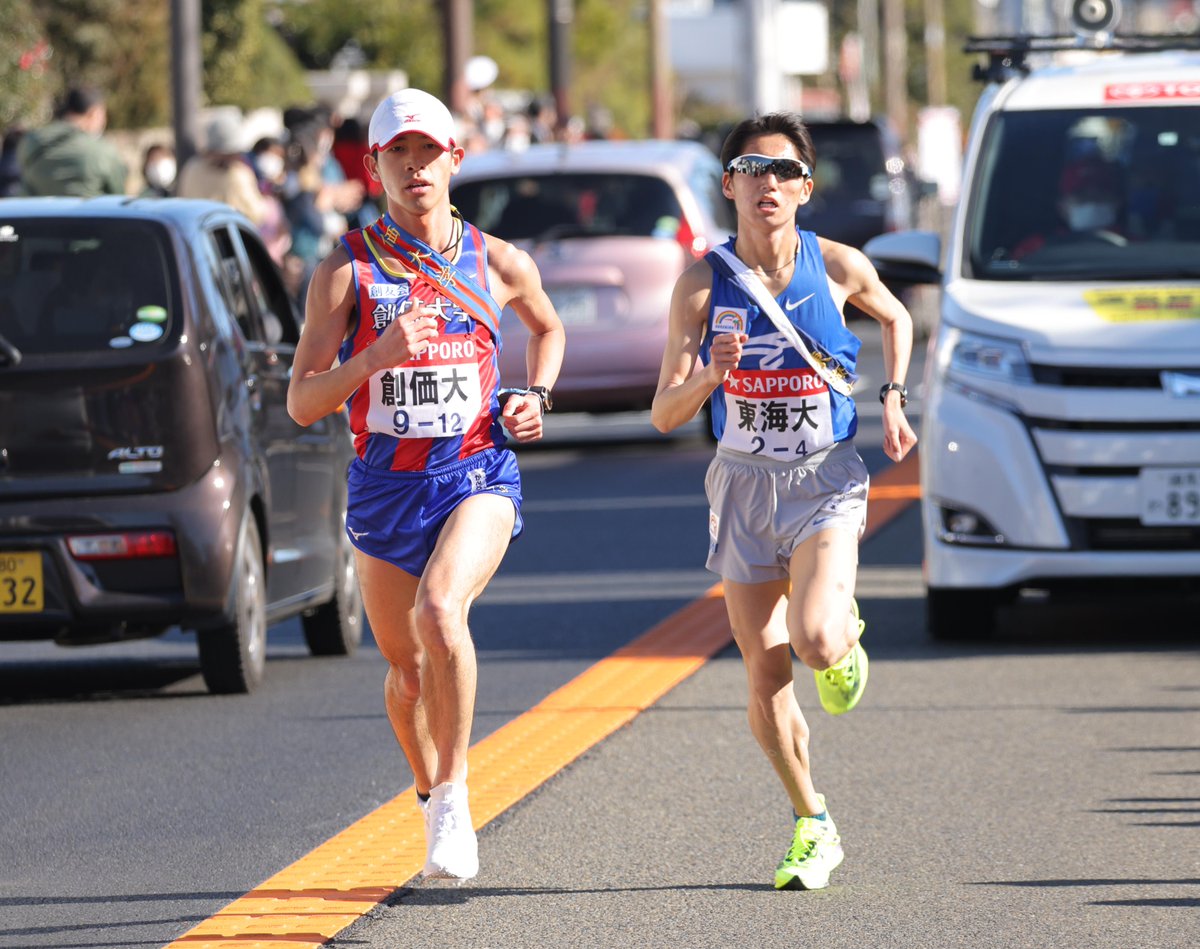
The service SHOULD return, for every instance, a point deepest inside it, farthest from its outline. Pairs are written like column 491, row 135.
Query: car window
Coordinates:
column 1028, row 221
column 849, row 160
column 84, row 284
column 705, row 182
column 233, row 283
column 570, row 205
column 269, row 293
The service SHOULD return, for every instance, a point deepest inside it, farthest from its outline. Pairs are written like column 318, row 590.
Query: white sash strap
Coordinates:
column 835, row 375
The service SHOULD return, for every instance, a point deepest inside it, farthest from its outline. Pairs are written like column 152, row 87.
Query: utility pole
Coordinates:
column 868, row 27
column 935, row 51
column 562, row 17
column 186, row 71
column 660, row 73
column 895, row 63
column 763, row 80
column 457, row 27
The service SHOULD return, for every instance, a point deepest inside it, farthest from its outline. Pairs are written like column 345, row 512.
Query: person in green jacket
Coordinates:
column 69, row 156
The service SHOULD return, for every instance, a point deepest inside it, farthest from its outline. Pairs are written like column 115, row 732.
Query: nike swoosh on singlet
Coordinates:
column 792, row 306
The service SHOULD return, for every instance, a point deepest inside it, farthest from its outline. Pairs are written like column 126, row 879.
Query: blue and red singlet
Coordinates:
column 774, row 404
column 441, row 406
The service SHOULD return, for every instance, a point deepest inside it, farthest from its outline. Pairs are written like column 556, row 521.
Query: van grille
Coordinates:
column 1098, row 377
column 1129, row 534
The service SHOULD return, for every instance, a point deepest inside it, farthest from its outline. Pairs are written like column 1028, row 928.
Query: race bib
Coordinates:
column 779, row 413
column 435, row 395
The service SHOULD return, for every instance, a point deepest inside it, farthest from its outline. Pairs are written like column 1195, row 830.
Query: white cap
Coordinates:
column 411, row 110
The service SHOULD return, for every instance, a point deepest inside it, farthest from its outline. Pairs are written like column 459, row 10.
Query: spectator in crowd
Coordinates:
column 268, row 157
column 543, row 119
column 349, row 150
column 70, row 156
column 493, row 123
column 10, row 170
column 221, row 172
column 599, row 123
column 318, row 199
column 158, row 171
column 516, row 135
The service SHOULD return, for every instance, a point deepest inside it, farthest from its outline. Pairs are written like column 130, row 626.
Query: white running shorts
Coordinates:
column 761, row 509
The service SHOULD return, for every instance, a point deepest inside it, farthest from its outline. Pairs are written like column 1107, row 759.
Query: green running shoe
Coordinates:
column 816, row 851
column 841, row 685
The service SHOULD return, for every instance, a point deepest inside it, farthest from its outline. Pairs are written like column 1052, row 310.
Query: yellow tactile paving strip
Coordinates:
column 322, row 893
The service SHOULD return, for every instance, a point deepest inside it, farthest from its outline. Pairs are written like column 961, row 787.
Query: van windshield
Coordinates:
column 72, row 285
column 1104, row 194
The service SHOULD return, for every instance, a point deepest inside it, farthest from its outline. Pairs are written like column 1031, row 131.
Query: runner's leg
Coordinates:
column 757, row 614
column 820, row 624
column 388, row 594
column 469, row 549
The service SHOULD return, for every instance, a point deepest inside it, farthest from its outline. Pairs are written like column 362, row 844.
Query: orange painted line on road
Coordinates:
column 333, row 886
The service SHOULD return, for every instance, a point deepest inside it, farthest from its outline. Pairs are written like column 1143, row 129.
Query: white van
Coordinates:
column 1060, row 443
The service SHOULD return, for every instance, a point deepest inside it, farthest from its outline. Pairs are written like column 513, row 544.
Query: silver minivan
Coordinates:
column 1060, row 450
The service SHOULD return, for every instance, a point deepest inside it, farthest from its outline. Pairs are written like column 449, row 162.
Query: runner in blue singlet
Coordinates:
column 760, row 321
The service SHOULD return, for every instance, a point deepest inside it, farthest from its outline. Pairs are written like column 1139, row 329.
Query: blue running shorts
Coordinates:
column 397, row 515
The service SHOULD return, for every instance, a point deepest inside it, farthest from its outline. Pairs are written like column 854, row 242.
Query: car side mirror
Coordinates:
column 906, row 257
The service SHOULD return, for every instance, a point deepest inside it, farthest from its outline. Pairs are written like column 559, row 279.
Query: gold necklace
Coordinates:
column 791, row 260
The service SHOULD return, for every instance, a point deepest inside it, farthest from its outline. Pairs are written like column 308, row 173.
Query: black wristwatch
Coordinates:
column 884, row 390
column 543, row 395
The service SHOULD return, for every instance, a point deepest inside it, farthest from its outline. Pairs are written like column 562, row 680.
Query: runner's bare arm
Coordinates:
column 681, row 390
column 516, row 282
column 320, row 385
column 850, row 269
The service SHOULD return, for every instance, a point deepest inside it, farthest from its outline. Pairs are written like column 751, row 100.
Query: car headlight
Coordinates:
column 990, row 357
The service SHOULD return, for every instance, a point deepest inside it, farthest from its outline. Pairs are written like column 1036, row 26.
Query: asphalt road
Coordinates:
column 1039, row 791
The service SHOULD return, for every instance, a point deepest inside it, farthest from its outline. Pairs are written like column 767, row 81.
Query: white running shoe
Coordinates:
column 453, row 851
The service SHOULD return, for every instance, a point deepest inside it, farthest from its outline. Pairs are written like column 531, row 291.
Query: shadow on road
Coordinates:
column 92, row 680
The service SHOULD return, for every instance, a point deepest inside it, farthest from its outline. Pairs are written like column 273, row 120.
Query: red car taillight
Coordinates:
column 128, row 546
column 695, row 244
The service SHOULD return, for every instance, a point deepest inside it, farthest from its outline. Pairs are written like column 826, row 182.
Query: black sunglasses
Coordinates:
column 785, row 169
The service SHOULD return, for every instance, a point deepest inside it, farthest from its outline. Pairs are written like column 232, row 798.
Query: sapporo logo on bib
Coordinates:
column 434, row 395
column 779, row 413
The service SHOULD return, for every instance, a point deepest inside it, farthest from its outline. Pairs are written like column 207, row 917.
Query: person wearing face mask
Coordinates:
column 1089, row 206
column 158, row 171
column 69, row 156
column 268, row 158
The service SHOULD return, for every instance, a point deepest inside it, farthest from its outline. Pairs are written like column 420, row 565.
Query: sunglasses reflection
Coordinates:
column 785, row 169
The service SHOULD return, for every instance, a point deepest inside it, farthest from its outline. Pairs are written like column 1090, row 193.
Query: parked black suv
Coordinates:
column 863, row 185
column 150, row 475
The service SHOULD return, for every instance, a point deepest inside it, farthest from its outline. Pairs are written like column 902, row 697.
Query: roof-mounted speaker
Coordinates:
column 1093, row 18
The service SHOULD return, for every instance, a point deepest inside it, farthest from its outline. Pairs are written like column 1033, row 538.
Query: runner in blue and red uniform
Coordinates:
column 402, row 327
column 787, row 490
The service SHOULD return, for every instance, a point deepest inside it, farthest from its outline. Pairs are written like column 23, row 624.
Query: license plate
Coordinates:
column 576, row 306
column 20, row 582
column 1170, row 495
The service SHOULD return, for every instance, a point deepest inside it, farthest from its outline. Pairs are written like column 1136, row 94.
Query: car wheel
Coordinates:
column 336, row 628
column 233, row 657
column 962, row 614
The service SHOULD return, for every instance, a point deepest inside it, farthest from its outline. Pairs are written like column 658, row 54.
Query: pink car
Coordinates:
column 611, row 225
